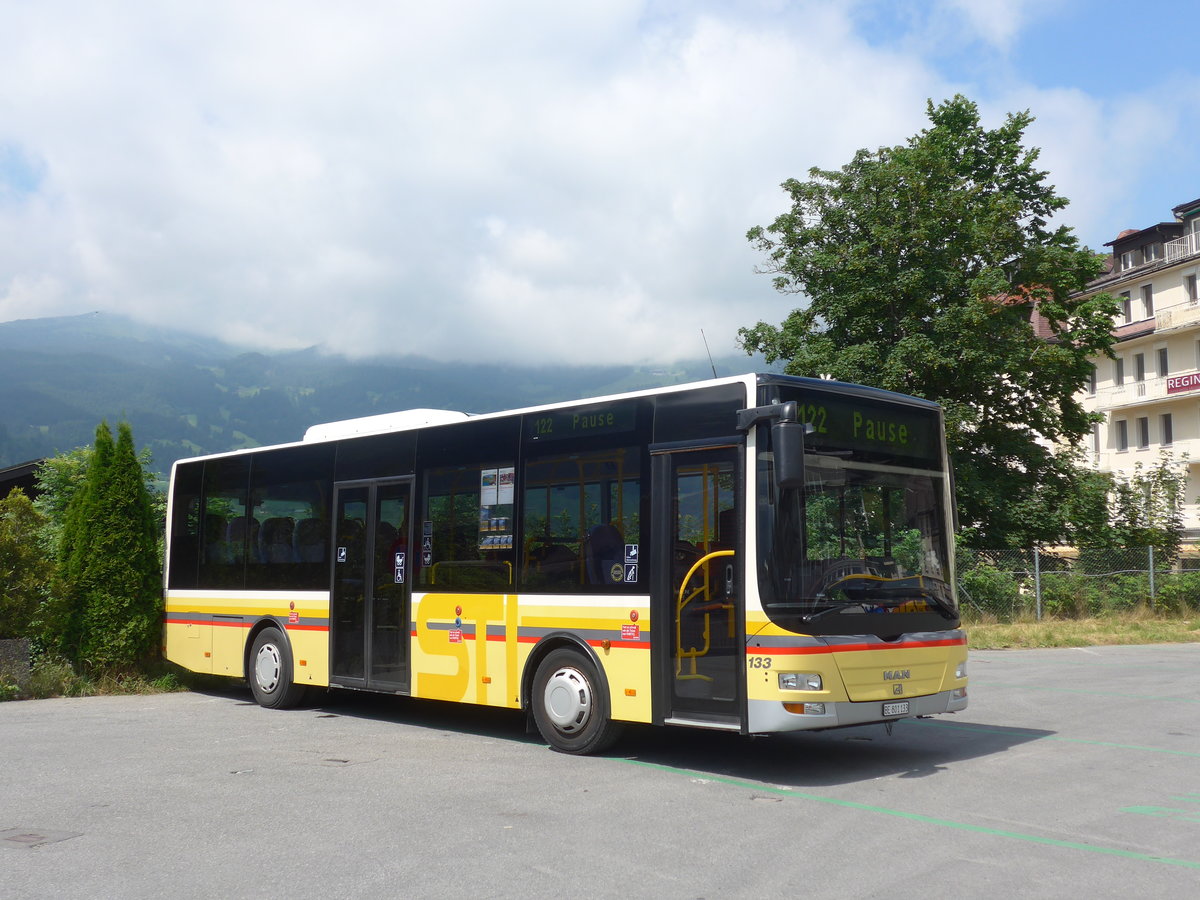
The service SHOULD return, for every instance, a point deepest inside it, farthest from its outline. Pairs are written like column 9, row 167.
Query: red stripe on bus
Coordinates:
column 533, row 639
column 243, row 625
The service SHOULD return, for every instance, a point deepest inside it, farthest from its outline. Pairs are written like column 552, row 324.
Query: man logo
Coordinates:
column 896, row 675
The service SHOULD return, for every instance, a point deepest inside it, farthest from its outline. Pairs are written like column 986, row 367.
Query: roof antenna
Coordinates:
column 709, row 352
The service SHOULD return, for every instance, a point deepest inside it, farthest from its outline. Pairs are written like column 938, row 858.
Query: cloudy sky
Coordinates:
column 522, row 180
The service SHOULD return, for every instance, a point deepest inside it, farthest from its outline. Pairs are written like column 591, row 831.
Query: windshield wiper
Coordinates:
column 877, row 589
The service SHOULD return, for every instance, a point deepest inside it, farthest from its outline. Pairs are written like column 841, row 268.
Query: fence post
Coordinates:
column 1037, row 580
column 1151, row 560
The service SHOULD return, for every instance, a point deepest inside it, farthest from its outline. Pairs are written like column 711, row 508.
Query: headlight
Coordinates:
column 960, row 670
column 799, row 681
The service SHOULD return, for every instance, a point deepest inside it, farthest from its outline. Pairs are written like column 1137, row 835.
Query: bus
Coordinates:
column 754, row 554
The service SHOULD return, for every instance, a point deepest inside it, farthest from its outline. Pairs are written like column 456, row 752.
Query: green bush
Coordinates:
column 1177, row 592
column 9, row 689
column 992, row 590
column 1065, row 596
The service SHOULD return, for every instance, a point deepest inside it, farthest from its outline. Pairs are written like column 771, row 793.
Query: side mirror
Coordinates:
column 787, row 443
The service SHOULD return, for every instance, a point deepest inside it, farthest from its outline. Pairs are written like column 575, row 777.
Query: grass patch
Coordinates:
column 1138, row 627
column 53, row 677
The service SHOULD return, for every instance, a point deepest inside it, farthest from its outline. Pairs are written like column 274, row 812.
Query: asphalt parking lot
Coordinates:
column 1073, row 773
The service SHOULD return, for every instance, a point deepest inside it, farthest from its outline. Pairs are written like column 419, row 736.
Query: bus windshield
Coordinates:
column 866, row 535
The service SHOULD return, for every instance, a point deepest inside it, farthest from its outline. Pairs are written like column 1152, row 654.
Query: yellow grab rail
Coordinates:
column 694, row 653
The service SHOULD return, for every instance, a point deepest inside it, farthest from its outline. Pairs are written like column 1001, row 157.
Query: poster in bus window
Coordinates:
column 506, row 481
column 495, row 508
column 489, row 484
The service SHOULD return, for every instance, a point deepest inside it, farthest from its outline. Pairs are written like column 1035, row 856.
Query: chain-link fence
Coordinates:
column 1035, row 584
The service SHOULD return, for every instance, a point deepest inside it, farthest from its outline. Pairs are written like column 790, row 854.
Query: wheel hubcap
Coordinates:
column 568, row 700
column 267, row 667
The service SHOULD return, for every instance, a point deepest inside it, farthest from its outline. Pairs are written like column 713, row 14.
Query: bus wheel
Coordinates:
column 570, row 704
column 271, row 671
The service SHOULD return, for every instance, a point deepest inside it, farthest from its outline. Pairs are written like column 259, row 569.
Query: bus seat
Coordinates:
column 556, row 566
column 275, row 540
column 385, row 536
column 216, row 548
column 241, row 527
column 309, row 538
column 727, row 529
column 604, row 549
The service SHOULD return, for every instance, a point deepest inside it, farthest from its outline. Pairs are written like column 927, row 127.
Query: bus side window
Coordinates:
column 580, row 513
column 469, row 514
column 225, row 523
column 288, row 490
column 185, row 527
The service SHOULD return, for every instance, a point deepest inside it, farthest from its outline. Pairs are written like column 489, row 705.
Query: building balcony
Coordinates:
column 1181, row 248
column 1178, row 316
column 1130, row 393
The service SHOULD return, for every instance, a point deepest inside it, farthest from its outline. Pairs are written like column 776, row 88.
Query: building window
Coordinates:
column 1128, row 260
column 1095, row 438
column 1167, row 429
column 1189, row 284
column 1122, row 434
column 1139, row 367
column 1163, row 367
column 1143, row 432
column 1119, row 368
column 1126, row 306
column 1091, row 383
column 1148, row 300
column 1152, row 252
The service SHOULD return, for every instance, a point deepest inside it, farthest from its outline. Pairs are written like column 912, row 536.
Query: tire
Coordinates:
column 270, row 671
column 570, row 704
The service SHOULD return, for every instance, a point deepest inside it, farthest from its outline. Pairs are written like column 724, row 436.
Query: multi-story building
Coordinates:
column 1149, row 395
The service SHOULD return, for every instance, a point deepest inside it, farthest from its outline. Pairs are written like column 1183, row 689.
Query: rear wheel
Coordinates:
column 571, row 705
column 270, row 672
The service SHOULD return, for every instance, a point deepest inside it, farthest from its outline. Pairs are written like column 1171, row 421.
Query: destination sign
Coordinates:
column 588, row 421
column 856, row 424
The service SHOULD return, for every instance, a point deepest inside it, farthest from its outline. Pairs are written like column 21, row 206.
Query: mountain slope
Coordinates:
column 185, row 395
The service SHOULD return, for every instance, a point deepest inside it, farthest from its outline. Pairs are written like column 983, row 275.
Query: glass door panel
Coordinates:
column 349, row 584
column 371, row 585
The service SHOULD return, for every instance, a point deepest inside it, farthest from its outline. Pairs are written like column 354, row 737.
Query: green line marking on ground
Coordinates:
column 918, row 817
column 1037, row 735
column 1164, row 812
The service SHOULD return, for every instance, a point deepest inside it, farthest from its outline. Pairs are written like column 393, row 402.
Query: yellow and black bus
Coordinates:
column 756, row 554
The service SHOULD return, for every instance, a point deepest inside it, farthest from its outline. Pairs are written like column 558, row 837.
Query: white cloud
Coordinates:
column 534, row 180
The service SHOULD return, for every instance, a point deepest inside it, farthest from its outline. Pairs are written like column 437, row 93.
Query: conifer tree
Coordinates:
column 75, row 540
column 109, row 560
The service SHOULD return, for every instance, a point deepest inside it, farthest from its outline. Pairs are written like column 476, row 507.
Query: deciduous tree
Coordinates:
column 25, row 569
column 926, row 267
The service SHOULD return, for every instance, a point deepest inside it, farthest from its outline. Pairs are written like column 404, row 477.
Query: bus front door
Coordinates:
column 372, row 570
column 697, row 585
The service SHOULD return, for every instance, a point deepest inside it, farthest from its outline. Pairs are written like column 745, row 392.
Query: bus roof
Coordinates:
column 406, row 420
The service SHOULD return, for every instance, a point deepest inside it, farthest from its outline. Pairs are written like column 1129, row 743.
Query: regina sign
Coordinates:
column 1177, row 384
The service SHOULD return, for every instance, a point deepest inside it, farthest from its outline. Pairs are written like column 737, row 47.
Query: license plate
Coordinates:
column 896, row 709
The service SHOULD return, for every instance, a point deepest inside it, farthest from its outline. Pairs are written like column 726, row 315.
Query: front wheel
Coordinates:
column 270, row 674
column 570, row 704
